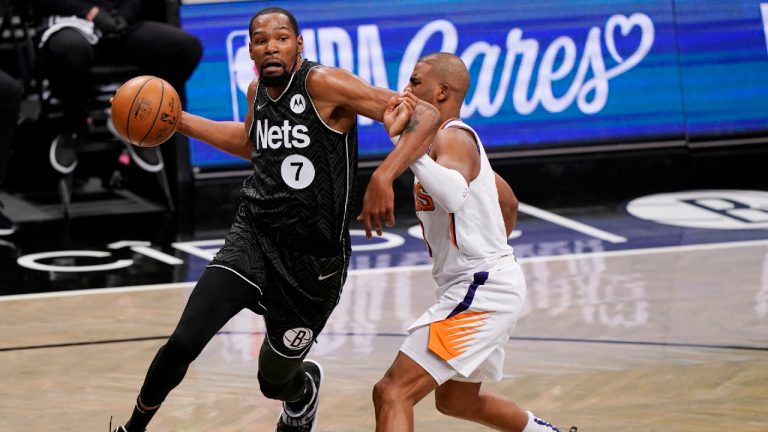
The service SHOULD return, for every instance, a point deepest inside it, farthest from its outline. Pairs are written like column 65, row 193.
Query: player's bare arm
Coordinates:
column 508, row 203
column 339, row 96
column 228, row 136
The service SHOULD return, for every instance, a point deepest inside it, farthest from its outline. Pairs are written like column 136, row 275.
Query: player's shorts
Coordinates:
column 462, row 336
column 298, row 289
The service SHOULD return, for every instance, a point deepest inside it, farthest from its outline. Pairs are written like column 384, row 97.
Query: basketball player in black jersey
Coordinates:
column 287, row 252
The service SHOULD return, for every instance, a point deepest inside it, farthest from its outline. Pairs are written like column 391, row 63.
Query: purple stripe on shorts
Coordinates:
column 480, row 278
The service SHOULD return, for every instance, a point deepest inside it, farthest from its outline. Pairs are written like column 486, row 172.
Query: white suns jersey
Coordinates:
column 473, row 238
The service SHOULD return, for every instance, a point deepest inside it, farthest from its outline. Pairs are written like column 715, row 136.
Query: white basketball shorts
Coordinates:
column 462, row 336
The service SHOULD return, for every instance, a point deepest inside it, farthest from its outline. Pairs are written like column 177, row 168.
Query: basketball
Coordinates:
column 146, row 110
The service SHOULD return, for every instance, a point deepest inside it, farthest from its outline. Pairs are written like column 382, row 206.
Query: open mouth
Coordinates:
column 272, row 67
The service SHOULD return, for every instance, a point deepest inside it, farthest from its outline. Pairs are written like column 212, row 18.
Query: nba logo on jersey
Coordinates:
column 241, row 71
column 297, row 338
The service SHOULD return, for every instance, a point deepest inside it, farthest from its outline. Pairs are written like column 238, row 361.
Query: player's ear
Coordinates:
column 300, row 43
column 443, row 92
column 250, row 51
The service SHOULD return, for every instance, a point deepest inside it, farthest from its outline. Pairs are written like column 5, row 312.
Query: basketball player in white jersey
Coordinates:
column 466, row 212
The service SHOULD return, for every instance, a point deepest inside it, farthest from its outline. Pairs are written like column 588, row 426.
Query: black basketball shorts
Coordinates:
column 297, row 290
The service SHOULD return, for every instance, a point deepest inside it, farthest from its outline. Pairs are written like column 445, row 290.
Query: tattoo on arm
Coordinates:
column 411, row 125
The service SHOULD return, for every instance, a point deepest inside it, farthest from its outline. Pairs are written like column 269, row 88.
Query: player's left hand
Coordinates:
column 378, row 206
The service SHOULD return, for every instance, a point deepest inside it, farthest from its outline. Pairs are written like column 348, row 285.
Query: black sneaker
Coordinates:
column 306, row 419
column 63, row 153
column 148, row 159
column 573, row 429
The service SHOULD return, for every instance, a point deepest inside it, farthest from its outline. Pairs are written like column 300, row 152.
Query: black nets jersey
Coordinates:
column 304, row 171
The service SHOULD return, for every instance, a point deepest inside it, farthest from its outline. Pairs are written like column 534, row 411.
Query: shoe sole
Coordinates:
column 317, row 396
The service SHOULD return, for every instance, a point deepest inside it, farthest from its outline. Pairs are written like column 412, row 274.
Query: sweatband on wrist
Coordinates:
column 446, row 186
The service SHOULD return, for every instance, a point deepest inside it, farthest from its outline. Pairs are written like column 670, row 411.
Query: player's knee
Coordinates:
column 271, row 389
column 387, row 391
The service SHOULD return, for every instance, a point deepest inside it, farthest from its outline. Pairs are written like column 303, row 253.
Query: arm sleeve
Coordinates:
column 446, row 186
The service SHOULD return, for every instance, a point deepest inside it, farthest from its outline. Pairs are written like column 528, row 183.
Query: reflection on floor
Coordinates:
column 634, row 340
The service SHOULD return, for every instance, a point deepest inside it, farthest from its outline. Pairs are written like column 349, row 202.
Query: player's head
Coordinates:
column 441, row 79
column 275, row 45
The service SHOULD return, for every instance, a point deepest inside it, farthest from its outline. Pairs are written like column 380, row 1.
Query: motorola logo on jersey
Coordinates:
column 297, row 104
column 297, row 338
column 275, row 136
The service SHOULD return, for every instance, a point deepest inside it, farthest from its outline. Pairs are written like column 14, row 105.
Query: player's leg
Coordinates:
column 217, row 297
column 299, row 307
column 296, row 382
column 463, row 400
column 394, row 396
column 67, row 58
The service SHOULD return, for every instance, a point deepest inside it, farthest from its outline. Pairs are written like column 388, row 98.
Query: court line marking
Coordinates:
column 425, row 267
column 403, row 335
column 570, row 223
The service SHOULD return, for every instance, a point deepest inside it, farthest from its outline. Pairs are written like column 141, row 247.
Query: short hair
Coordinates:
column 450, row 70
column 277, row 10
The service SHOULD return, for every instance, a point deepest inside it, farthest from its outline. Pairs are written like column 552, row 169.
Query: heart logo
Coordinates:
column 625, row 26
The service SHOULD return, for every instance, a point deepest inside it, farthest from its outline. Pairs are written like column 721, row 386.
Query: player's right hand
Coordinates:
column 398, row 113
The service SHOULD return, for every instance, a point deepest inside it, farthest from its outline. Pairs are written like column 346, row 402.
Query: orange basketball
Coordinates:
column 146, row 111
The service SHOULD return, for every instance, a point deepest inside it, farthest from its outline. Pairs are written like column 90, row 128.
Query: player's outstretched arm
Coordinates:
column 508, row 203
column 228, row 136
column 343, row 89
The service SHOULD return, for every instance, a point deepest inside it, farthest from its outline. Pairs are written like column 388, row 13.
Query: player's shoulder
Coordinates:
column 327, row 75
column 454, row 137
column 453, row 140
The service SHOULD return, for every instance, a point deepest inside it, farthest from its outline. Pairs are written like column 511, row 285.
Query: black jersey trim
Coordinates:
column 313, row 103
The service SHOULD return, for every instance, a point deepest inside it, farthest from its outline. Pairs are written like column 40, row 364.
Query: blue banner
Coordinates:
column 554, row 74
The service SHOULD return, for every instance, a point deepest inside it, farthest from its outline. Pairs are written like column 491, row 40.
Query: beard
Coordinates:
column 275, row 80
column 278, row 80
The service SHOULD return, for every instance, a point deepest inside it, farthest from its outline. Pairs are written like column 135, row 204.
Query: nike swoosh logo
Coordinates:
column 259, row 107
column 324, row 277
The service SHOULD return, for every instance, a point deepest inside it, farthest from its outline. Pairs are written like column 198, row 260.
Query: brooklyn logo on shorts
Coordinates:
column 297, row 338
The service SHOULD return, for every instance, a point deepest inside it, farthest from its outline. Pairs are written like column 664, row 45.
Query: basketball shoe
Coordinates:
column 306, row 419
column 148, row 159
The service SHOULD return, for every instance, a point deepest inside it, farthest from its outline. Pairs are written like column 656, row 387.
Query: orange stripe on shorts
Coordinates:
column 451, row 337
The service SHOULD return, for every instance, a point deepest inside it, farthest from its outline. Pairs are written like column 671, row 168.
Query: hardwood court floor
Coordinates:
column 654, row 340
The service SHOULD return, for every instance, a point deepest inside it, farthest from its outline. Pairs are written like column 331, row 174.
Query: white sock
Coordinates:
column 536, row 424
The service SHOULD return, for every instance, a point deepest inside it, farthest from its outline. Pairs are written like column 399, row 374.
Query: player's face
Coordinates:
column 275, row 48
column 421, row 84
